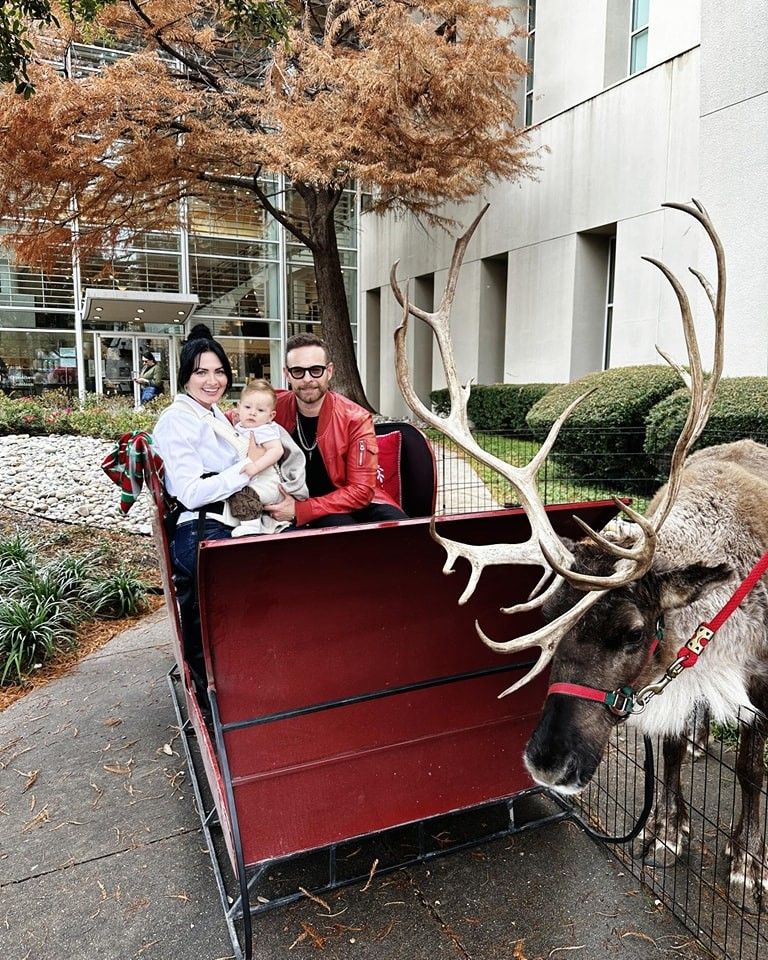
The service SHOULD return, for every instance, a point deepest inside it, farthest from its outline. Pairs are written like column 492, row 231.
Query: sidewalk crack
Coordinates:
column 445, row 926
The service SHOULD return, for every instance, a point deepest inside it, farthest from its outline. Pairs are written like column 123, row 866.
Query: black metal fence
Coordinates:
column 612, row 463
column 696, row 883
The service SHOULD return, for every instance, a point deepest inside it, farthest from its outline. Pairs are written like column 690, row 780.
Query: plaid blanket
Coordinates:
column 129, row 466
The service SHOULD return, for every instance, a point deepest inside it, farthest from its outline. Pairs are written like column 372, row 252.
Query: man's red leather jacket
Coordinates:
column 347, row 443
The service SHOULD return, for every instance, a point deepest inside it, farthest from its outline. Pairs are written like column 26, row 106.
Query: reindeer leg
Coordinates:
column 698, row 733
column 749, row 857
column 668, row 826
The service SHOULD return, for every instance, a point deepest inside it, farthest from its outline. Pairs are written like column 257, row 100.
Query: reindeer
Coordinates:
column 618, row 608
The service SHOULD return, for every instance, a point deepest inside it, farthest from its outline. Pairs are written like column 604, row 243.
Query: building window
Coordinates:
column 638, row 37
column 609, row 288
column 529, row 56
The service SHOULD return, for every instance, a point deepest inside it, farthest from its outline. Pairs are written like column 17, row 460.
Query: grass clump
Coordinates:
column 44, row 602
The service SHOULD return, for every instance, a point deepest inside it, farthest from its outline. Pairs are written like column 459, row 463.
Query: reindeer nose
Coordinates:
column 563, row 752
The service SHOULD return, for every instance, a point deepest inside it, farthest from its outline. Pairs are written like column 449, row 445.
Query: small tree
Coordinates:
column 413, row 99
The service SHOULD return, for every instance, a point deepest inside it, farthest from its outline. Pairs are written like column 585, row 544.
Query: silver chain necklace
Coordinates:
column 306, row 447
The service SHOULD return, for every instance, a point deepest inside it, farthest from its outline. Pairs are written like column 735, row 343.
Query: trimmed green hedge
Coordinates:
column 496, row 406
column 604, row 434
column 740, row 410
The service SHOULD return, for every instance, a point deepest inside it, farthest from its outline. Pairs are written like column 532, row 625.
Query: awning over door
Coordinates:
column 113, row 307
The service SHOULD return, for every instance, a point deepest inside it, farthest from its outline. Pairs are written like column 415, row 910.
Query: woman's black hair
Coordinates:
column 148, row 355
column 199, row 341
column 200, row 332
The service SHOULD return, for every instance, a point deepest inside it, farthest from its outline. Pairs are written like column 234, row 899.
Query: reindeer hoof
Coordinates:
column 664, row 841
column 659, row 855
column 748, row 881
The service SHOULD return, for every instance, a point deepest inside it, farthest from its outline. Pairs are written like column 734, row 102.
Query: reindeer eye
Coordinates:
column 634, row 637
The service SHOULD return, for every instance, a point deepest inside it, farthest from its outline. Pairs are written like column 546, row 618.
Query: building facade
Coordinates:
column 633, row 103
column 84, row 325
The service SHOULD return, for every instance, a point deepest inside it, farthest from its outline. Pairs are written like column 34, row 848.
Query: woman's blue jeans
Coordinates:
column 148, row 393
column 184, row 560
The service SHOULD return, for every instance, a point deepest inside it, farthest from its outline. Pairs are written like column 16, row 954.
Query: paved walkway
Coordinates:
column 459, row 488
column 101, row 855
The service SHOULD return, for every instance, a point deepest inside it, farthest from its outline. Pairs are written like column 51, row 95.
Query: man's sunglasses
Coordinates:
column 297, row 373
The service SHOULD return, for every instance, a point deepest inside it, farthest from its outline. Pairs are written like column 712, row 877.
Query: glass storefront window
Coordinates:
column 36, row 319
column 133, row 269
column 297, row 253
column 303, row 309
column 234, row 213
column 29, row 288
column 345, row 216
column 31, row 363
column 253, row 357
column 229, row 287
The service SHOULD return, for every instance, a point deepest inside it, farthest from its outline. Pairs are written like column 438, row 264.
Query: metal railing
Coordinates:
column 612, row 463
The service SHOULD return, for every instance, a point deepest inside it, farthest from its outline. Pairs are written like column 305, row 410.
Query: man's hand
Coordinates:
column 284, row 509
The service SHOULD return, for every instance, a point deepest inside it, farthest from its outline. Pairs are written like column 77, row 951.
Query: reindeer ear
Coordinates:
column 681, row 587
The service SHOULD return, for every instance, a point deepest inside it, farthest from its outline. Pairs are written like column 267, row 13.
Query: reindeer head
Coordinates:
column 602, row 597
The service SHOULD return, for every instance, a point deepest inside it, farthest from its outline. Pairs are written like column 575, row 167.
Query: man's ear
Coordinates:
column 329, row 370
column 683, row 586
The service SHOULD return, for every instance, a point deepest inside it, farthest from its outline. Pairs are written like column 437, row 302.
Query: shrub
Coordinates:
column 496, row 406
column 53, row 413
column 740, row 410
column 32, row 629
column 41, row 604
column 119, row 594
column 16, row 553
column 604, row 434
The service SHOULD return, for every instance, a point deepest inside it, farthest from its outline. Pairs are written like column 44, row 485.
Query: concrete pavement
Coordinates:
column 102, row 856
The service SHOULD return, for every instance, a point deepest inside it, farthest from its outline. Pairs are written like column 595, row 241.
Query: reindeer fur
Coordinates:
column 714, row 534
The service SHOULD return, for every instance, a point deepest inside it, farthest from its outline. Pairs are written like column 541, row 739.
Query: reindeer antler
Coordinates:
column 544, row 548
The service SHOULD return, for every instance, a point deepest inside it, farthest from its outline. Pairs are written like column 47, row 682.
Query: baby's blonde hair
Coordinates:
column 259, row 386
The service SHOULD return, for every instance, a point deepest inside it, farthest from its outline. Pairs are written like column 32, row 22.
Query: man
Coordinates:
column 338, row 441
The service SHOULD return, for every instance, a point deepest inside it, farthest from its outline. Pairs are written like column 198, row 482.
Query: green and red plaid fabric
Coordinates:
column 129, row 466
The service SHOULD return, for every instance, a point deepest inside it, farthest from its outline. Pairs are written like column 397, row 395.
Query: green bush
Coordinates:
column 119, row 594
column 32, row 630
column 496, row 406
column 604, row 434
column 740, row 410
column 103, row 417
column 42, row 603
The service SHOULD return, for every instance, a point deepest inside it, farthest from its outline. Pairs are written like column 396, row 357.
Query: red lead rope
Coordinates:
column 691, row 651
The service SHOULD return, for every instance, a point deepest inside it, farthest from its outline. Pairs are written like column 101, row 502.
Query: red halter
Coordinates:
column 625, row 700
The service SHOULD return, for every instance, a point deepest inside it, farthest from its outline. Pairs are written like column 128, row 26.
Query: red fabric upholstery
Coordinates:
column 388, row 470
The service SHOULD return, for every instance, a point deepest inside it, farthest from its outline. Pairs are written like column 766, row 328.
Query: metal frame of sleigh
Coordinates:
column 349, row 693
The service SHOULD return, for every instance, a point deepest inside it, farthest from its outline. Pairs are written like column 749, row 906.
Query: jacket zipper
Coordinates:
column 360, row 452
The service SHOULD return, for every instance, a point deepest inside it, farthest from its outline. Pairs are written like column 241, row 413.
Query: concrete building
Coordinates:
column 634, row 103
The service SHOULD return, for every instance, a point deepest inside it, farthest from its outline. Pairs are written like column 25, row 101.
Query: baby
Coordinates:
column 256, row 413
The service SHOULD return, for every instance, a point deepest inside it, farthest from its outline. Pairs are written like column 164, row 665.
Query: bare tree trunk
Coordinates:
column 332, row 301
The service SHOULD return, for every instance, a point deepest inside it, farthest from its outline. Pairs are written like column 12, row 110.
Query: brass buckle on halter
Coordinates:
column 700, row 639
column 621, row 702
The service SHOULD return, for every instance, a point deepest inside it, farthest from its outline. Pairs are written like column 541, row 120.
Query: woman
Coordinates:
column 201, row 470
column 149, row 378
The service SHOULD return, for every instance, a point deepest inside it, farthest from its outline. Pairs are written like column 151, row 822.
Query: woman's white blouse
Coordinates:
column 189, row 448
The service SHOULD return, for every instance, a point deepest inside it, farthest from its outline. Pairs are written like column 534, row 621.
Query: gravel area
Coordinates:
column 53, row 490
column 60, row 478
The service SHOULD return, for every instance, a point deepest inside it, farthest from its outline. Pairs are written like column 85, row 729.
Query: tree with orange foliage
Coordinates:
column 413, row 99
